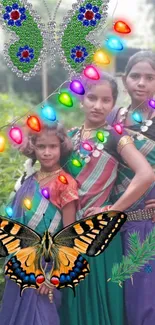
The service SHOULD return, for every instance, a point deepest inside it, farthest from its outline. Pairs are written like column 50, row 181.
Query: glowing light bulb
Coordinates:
column 45, row 193
column 16, row 135
column 91, row 73
column 87, row 146
column 114, row 43
column 27, row 203
column 76, row 163
column 34, row 123
column 152, row 103
column 65, row 99
column 48, row 113
column 121, row 27
column 9, row 211
column 118, row 128
column 101, row 58
column 63, row 179
column 77, row 87
column 100, row 136
column 136, row 116
column 2, row 143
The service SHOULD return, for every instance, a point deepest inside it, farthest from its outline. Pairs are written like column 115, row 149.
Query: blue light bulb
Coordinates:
column 49, row 113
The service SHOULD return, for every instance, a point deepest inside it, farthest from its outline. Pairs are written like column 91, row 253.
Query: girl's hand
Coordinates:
column 96, row 210
column 150, row 204
column 44, row 289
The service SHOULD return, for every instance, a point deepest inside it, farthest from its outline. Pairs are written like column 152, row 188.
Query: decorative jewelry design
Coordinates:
column 43, row 175
column 144, row 125
column 27, row 47
column 76, row 41
column 86, row 148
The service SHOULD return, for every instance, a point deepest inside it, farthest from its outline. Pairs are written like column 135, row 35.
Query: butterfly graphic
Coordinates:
column 32, row 43
column 90, row 236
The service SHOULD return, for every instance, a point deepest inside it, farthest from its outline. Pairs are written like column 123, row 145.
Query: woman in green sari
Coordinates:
column 98, row 301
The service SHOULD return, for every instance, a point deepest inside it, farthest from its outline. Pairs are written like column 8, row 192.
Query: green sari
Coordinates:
column 97, row 302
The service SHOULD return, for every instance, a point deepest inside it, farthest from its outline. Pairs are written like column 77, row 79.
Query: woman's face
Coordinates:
column 140, row 82
column 98, row 103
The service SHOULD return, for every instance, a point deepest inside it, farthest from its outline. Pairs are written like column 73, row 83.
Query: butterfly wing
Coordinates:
column 77, row 36
column 27, row 38
column 90, row 236
column 14, row 236
column 24, row 266
column 69, row 268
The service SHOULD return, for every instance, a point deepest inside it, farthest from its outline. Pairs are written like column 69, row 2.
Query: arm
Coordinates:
column 144, row 177
column 69, row 213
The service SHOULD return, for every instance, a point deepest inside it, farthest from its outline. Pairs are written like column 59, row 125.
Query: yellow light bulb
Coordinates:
column 101, row 58
column 27, row 203
column 2, row 143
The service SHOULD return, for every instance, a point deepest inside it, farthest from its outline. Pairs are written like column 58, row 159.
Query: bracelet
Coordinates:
column 126, row 139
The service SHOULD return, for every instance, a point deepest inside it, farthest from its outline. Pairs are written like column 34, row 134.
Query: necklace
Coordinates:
column 86, row 133
column 86, row 147
column 144, row 125
column 42, row 175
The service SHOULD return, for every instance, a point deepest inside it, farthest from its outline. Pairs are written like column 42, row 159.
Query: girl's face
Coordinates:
column 47, row 150
column 97, row 103
column 140, row 82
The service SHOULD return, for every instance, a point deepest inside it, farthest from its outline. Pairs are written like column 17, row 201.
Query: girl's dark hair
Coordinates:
column 141, row 56
column 104, row 76
column 58, row 128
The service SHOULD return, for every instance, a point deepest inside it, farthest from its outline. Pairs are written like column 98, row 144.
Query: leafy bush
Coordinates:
column 11, row 162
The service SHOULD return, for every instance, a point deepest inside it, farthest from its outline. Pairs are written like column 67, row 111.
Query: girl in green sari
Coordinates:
column 97, row 301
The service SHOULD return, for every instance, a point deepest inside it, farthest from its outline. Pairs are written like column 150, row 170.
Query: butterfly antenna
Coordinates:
column 45, row 222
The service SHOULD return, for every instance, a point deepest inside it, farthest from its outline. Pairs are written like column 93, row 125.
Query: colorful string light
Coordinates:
column 91, row 73
column 101, row 58
column 100, row 136
column 136, row 116
column 45, row 193
column 63, row 179
column 122, row 27
column 114, row 43
column 16, row 135
column 152, row 103
column 48, row 113
column 76, row 163
column 9, row 211
column 65, row 99
column 27, row 203
column 118, row 128
column 77, row 87
column 34, row 123
column 2, row 143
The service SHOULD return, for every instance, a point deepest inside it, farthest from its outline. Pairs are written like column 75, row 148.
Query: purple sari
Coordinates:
column 31, row 308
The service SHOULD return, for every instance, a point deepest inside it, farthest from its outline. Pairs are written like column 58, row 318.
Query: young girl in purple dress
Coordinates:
column 48, row 147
